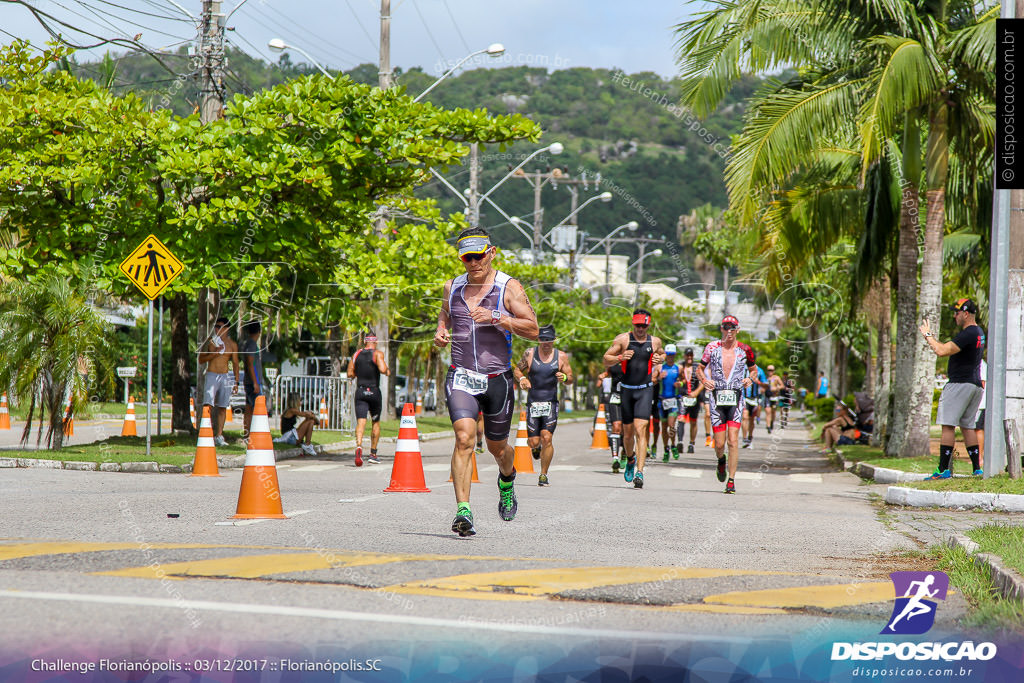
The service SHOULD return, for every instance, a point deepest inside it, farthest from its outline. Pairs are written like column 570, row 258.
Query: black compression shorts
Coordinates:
column 368, row 403
column 496, row 403
column 534, row 425
column 636, row 403
column 613, row 411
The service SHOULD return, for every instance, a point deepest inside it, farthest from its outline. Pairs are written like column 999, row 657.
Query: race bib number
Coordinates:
column 689, row 401
column 473, row 383
column 668, row 404
column 540, row 409
column 726, row 397
column 615, row 399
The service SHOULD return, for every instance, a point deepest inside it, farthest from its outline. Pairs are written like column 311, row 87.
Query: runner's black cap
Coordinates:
column 547, row 333
column 965, row 304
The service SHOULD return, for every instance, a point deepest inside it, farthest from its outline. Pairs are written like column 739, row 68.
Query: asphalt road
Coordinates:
column 95, row 562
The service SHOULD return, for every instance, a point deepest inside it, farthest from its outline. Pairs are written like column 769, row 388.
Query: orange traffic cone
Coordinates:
column 476, row 474
column 323, row 413
column 419, row 405
column 5, row 415
column 407, row 469
column 524, row 460
column 128, row 428
column 192, row 410
column 600, row 439
column 205, row 462
column 259, row 496
column 69, row 420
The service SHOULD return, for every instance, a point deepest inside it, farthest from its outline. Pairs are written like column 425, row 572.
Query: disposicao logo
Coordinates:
column 914, row 614
column 916, row 593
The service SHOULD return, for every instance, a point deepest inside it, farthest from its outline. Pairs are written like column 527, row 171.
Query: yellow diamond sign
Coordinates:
column 151, row 267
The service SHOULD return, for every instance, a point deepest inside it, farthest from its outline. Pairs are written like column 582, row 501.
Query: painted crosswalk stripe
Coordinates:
column 565, row 468
column 316, row 468
column 806, row 478
column 687, row 474
column 438, row 467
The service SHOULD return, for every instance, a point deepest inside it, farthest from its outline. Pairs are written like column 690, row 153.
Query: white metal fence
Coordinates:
column 335, row 391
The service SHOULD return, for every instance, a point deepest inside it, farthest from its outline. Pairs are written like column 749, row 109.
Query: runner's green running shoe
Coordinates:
column 507, row 503
column 630, row 469
column 463, row 523
column 542, row 480
column 665, row 458
column 615, row 465
column 638, row 480
column 675, row 452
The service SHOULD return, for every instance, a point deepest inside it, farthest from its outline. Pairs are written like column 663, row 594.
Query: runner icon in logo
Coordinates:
column 912, row 591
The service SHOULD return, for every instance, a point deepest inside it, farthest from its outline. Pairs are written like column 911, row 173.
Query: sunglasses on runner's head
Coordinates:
column 468, row 258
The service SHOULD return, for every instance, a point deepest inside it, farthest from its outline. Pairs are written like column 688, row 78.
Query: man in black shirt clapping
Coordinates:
column 961, row 396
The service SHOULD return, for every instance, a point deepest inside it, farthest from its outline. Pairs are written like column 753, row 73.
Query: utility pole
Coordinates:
column 211, row 51
column 382, row 324
column 538, row 180
column 474, row 185
column 211, row 108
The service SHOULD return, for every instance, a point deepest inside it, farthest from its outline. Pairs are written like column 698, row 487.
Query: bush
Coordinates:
column 824, row 408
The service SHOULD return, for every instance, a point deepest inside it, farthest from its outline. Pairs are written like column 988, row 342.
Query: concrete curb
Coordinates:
column 223, row 462
column 1008, row 582
column 909, row 497
column 884, row 475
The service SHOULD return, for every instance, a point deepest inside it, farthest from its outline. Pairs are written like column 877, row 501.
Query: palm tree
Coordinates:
column 872, row 71
column 48, row 333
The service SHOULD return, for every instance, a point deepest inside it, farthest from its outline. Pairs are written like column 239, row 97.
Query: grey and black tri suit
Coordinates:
column 482, row 349
column 368, row 401
column 543, row 389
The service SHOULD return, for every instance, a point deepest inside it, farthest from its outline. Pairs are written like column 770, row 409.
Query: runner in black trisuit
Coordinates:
column 479, row 309
column 366, row 367
column 611, row 396
column 539, row 371
column 637, row 353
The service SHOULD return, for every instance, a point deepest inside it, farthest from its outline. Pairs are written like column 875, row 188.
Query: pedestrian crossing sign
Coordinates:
column 151, row 267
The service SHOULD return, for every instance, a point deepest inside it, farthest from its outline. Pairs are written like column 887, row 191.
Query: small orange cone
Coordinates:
column 229, row 414
column 419, row 405
column 205, row 462
column 524, row 460
column 69, row 419
column 600, row 430
column 5, row 415
column 259, row 496
column 128, row 428
column 323, row 413
column 192, row 410
column 407, row 469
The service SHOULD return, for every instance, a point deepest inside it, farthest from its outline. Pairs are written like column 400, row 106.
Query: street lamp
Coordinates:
column 639, row 263
column 278, row 45
column 493, row 50
column 604, row 197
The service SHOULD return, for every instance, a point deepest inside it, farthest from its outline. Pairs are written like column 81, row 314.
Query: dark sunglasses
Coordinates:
column 728, row 327
column 468, row 258
column 640, row 325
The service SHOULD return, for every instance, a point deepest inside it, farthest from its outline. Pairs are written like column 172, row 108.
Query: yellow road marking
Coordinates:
column 11, row 552
column 255, row 566
column 837, row 595
column 724, row 609
column 543, row 582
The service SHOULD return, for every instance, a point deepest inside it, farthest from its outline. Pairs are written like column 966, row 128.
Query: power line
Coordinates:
column 130, row 22
column 440, row 53
column 148, row 14
column 255, row 49
column 326, row 46
column 360, row 23
column 457, row 29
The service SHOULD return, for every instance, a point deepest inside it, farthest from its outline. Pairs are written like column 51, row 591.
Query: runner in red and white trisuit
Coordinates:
column 726, row 368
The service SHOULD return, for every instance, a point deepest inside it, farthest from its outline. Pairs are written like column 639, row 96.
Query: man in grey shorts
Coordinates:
column 220, row 384
column 960, row 398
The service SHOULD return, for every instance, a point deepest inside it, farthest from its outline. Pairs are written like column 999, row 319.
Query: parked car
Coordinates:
column 427, row 390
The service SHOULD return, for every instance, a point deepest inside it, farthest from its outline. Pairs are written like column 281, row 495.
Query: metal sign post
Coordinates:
column 126, row 373
column 149, row 378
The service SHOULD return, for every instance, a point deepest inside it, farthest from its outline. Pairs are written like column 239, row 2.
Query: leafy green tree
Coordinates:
column 51, row 338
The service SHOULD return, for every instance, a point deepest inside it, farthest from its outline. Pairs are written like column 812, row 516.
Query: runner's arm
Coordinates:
column 444, row 320
column 522, row 367
column 351, row 372
column 565, row 367
column 206, row 356
column 523, row 321
column 613, row 356
column 378, row 358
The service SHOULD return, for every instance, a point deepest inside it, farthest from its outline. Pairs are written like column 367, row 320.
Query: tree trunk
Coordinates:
column 181, row 365
column 907, row 336
column 930, row 294
column 824, row 363
column 880, row 314
column 55, row 432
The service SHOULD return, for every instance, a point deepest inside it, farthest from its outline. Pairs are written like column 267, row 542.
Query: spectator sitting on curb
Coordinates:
column 303, row 433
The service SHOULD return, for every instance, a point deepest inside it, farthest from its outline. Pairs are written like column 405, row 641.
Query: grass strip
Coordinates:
column 990, row 610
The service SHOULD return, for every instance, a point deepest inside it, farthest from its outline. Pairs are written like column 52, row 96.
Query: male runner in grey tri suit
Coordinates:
column 481, row 309
column 544, row 368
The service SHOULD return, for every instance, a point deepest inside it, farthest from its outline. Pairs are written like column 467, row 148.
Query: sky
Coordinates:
column 339, row 34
